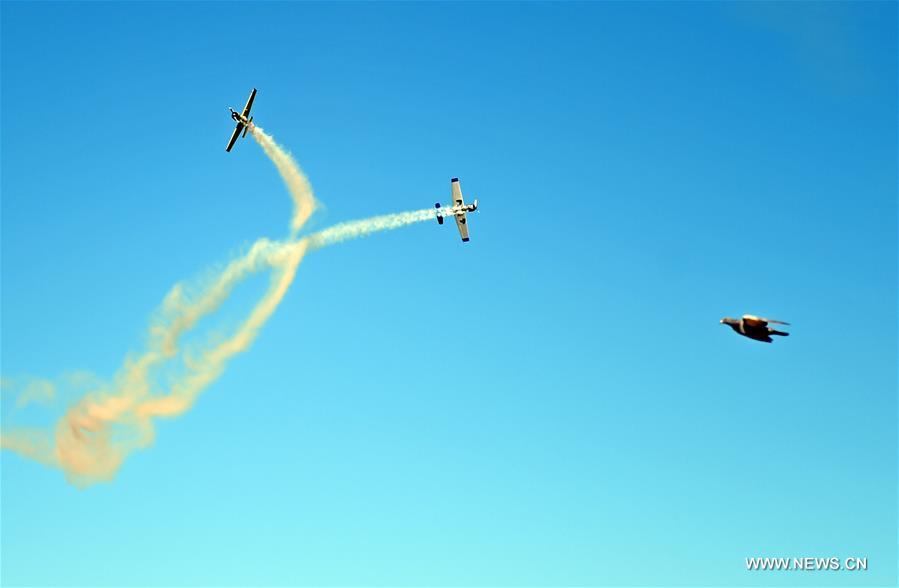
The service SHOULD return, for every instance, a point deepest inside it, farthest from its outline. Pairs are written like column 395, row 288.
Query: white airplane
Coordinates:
column 458, row 210
column 243, row 123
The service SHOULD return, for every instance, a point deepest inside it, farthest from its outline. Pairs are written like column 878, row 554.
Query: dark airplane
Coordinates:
column 243, row 123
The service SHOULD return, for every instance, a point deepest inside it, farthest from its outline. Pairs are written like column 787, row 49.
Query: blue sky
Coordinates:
column 553, row 403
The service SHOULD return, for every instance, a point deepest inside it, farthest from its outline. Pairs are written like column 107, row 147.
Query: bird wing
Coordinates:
column 777, row 322
column 757, row 321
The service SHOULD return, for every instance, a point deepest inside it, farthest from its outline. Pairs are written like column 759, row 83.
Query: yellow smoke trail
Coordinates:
column 95, row 435
column 297, row 182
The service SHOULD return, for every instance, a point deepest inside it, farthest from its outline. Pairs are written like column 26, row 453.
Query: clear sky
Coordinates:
column 553, row 403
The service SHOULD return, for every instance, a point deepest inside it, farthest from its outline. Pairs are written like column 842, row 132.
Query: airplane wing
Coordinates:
column 246, row 109
column 234, row 136
column 457, row 192
column 462, row 223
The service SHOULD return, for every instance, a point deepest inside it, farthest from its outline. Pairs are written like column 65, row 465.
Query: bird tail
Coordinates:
column 781, row 333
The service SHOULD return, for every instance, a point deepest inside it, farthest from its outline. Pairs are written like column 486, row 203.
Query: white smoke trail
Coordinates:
column 361, row 228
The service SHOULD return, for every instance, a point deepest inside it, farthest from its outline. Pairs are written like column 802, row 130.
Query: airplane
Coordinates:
column 243, row 123
column 458, row 210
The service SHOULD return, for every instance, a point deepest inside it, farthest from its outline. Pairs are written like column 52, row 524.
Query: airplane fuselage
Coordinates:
column 460, row 208
column 457, row 210
column 238, row 118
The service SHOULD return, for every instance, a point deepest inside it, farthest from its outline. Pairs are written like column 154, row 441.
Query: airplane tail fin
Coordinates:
column 439, row 214
column 781, row 333
column 247, row 128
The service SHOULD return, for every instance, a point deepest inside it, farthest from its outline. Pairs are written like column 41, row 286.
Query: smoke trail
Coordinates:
column 95, row 435
column 361, row 228
column 293, row 176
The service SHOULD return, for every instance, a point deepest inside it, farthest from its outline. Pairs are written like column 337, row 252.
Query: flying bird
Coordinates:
column 754, row 327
